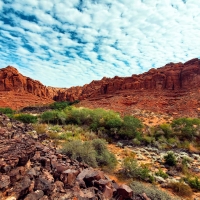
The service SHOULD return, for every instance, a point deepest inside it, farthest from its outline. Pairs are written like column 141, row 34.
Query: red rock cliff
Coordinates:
column 172, row 76
column 12, row 80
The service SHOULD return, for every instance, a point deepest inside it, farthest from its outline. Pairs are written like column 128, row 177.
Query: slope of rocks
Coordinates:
column 31, row 170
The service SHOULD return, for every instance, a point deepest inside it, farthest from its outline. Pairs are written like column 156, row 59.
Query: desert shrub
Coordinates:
column 40, row 128
column 148, row 139
column 81, row 151
column 53, row 135
column 7, row 111
column 181, row 189
column 26, row 118
column 47, row 116
column 74, row 132
column 130, row 127
column 107, row 119
column 151, row 191
column 136, row 141
column 184, row 144
column 54, row 117
column 62, row 136
column 61, row 105
column 79, row 116
column 61, row 116
column 173, row 141
column 161, row 173
column 55, row 128
column 103, row 156
column 95, row 119
column 170, row 159
column 186, row 128
column 86, row 135
column 94, row 153
column 131, row 169
column 166, row 128
column 193, row 182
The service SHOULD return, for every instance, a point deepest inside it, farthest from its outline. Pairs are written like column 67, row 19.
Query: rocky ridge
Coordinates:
column 172, row 89
column 31, row 170
column 173, row 77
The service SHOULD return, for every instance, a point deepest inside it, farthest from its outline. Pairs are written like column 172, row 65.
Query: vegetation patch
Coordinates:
column 181, row 189
column 93, row 153
column 26, row 118
column 151, row 191
column 131, row 169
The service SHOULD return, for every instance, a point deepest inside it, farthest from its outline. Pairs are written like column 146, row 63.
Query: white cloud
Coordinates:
column 65, row 43
column 30, row 26
column 1, row 5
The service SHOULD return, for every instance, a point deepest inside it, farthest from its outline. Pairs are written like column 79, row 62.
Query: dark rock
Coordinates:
column 43, row 184
column 91, row 176
column 5, row 181
column 107, row 192
column 20, row 188
column 35, row 195
column 124, row 192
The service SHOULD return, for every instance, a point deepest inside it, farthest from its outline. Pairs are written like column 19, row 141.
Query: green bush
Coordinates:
column 170, row 159
column 26, row 118
column 130, row 127
column 81, row 151
column 181, row 189
column 193, row 182
column 94, row 153
column 103, row 156
column 131, row 169
column 54, row 117
column 161, row 173
column 166, row 128
column 148, row 139
column 61, row 105
column 98, row 119
column 186, row 128
column 7, row 111
column 151, row 191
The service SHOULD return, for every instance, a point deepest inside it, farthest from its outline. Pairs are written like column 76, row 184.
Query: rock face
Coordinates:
column 172, row 77
column 172, row 89
column 18, row 91
column 12, row 80
column 32, row 171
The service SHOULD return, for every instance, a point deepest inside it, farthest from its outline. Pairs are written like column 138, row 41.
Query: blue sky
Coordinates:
column 66, row 43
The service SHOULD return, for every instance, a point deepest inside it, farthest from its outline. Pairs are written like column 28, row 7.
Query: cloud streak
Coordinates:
column 68, row 43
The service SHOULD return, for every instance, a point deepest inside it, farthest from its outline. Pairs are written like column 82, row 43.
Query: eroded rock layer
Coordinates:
column 172, row 77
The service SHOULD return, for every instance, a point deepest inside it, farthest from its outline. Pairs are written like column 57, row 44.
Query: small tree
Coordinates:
column 130, row 127
column 170, row 159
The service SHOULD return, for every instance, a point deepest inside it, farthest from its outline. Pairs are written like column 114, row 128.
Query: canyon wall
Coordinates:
column 172, row 77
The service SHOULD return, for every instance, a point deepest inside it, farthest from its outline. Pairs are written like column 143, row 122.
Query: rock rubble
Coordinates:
column 32, row 171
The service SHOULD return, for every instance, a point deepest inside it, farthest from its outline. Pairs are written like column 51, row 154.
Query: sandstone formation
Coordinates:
column 173, row 77
column 17, row 91
column 32, row 171
column 172, row 89
column 12, row 80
